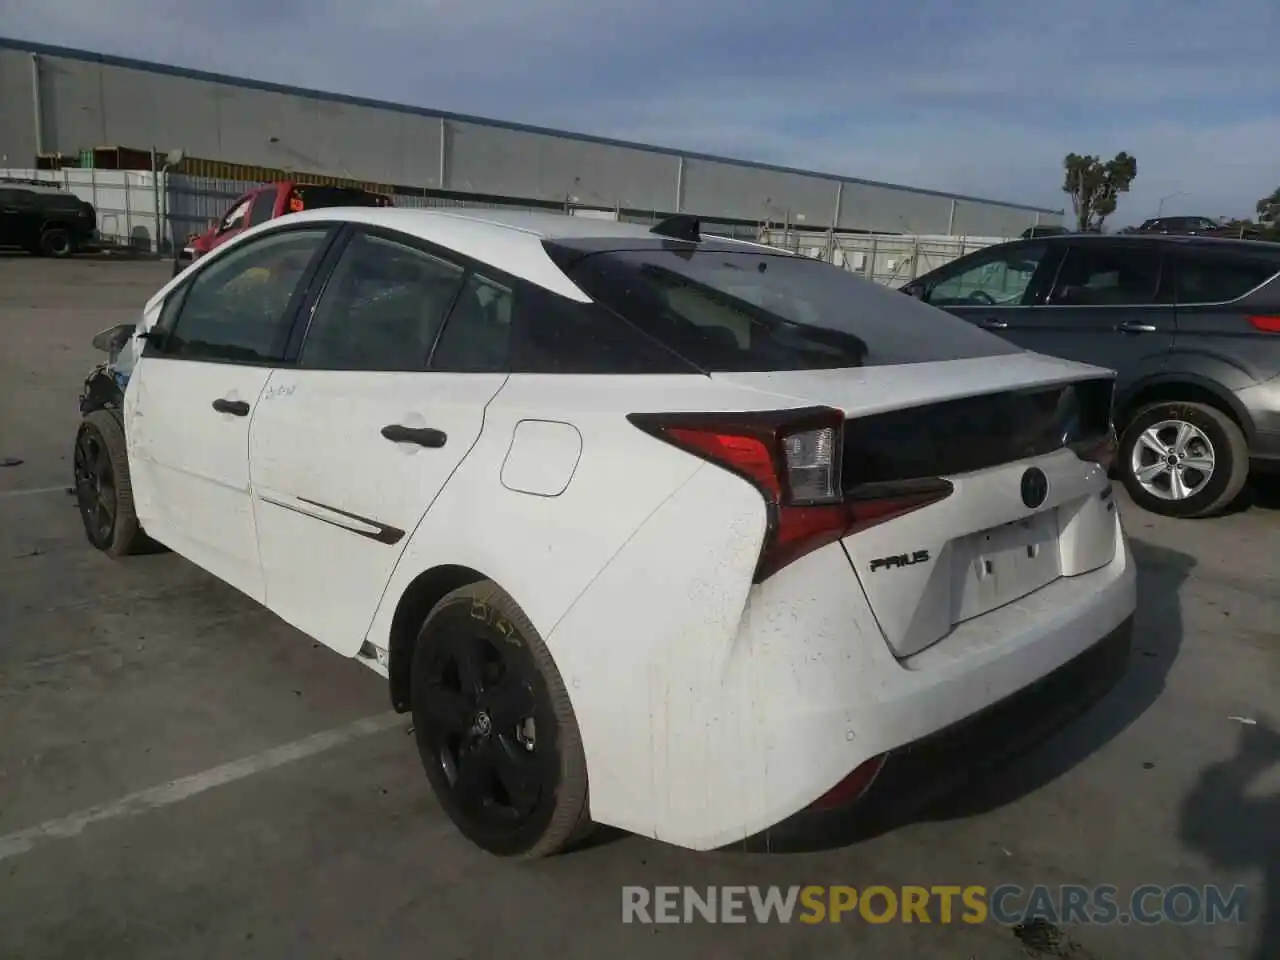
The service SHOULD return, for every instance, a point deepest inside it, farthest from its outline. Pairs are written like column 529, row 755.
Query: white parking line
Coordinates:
column 15, row 844
column 32, row 491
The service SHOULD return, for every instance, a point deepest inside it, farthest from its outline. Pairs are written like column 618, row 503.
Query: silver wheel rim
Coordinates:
column 1172, row 460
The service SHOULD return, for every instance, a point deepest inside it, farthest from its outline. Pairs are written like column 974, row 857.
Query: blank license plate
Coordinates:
column 997, row 566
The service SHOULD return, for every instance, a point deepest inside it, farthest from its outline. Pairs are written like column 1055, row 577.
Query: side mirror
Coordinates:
column 915, row 290
column 113, row 338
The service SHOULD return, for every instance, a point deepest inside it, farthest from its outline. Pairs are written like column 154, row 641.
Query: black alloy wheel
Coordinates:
column 95, row 488
column 104, row 492
column 494, row 729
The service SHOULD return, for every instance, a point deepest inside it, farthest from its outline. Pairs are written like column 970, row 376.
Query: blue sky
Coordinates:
column 979, row 97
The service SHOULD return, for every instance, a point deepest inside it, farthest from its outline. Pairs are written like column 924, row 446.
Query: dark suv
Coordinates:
column 1198, row 227
column 45, row 220
column 1191, row 326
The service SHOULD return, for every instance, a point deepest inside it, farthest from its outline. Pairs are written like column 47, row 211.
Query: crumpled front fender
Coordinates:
column 103, row 389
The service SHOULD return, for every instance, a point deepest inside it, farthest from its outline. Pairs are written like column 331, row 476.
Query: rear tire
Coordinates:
column 494, row 727
column 104, row 493
column 1212, row 462
column 56, row 242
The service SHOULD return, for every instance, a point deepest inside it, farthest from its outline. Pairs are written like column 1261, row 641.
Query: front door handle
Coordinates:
column 422, row 436
column 995, row 323
column 237, row 408
column 1133, row 326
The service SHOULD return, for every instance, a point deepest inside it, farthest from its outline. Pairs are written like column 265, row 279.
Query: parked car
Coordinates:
column 268, row 202
column 1191, row 325
column 44, row 219
column 624, row 516
column 1198, row 227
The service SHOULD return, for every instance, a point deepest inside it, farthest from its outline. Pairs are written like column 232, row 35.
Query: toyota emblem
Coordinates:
column 1035, row 487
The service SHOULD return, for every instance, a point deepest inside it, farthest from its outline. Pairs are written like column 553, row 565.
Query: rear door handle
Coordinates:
column 1133, row 326
column 237, row 408
column 995, row 323
column 422, row 436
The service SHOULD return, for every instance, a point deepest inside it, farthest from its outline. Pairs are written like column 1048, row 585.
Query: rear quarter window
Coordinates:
column 317, row 197
column 748, row 311
column 1205, row 278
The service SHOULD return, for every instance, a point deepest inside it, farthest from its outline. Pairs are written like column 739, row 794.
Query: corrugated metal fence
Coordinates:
column 150, row 212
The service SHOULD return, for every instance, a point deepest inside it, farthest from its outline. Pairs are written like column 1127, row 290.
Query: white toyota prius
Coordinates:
column 679, row 534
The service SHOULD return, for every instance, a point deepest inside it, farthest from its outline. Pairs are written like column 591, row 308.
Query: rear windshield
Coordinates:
column 752, row 311
column 314, row 198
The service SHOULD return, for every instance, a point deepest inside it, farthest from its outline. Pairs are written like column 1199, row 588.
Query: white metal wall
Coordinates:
column 70, row 101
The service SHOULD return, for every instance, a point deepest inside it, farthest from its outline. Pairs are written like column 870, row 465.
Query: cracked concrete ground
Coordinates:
column 182, row 775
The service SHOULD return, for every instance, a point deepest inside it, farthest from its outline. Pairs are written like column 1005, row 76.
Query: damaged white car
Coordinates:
column 677, row 534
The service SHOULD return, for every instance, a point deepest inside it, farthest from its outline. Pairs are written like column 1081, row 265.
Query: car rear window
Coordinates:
column 752, row 311
column 316, row 197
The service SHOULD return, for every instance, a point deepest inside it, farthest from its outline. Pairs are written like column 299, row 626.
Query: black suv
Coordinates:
column 1198, row 227
column 1191, row 325
column 45, row 220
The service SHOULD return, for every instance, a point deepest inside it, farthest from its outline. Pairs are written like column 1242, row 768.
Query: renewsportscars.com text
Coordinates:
column 1007, row 904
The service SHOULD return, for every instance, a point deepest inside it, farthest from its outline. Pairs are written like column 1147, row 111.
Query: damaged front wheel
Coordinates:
column 104, row 494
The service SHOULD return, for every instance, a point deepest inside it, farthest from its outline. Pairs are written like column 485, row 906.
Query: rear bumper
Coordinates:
column 1262, row 401
column 730, row 742
column 919, row 773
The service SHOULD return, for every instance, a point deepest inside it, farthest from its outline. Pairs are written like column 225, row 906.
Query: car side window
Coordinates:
column 235, row 217
column 553, row 334
column 381, row 309
column 1103, row 275
column 236, row 309
column 477, row 336
column 999, row 279
column 264, row 204
column 1206, row 278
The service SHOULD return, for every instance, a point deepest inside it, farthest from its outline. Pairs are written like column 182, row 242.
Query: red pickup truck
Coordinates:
column 268, row 202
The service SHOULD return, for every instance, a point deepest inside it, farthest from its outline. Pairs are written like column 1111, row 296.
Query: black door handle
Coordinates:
column 994, row 323
column 422, row 436
column 237, row 408
column 1135, row 326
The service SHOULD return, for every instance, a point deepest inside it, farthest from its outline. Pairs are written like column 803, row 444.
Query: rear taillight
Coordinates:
column 1101, row 451
column 793, row 457
column 1266, row 324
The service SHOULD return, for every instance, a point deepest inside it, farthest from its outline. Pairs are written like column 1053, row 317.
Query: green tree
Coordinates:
column 1269, row 214
column 1094, row 184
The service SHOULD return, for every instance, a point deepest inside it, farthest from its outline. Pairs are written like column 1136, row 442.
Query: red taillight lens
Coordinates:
column 749, row 455
column 794, row 459
column 1266, row 324
column 851, row 788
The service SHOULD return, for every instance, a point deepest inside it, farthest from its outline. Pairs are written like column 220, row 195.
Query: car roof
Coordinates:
column 440, row 226
column 509, row 240
column 43, row 189
column 1225, row 244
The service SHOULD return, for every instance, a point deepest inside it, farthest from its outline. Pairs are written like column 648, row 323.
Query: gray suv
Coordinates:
column 1191, row 325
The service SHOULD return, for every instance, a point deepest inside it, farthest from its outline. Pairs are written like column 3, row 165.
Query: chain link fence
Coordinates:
column 151, row 212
